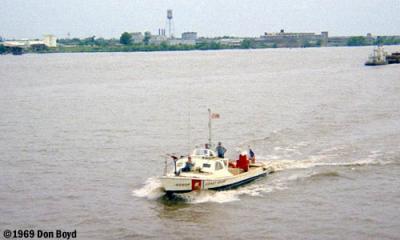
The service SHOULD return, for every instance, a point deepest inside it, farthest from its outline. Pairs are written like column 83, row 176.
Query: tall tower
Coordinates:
column 170, row 23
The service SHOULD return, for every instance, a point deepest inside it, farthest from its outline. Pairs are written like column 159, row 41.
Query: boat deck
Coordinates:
column 234, row 171
column 252, row 167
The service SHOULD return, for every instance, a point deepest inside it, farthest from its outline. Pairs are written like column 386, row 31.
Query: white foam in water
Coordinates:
column 317, row 161
column 254, row 190
column 280, row 165
column 151, row 190
column 212, row 196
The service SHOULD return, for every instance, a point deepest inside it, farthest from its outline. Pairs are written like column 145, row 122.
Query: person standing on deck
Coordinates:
column 252, row 156
column 220, row 150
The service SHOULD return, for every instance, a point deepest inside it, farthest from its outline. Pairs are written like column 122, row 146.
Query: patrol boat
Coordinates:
column 210, row 172
column 207, row 171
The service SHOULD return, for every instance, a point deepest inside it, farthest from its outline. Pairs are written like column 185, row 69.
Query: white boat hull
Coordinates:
column 181, row 184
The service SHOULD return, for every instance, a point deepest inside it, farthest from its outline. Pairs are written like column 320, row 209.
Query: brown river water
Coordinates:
column 83, row 139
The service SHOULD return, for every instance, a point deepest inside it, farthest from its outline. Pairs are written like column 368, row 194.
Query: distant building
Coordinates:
column 15, row 43
column 50, row 40
column 324, row 38
column 370, row 39
column 338, row 41
column 233, row 42
column 161, row 32
column 295, row 39
column 189, row 36
column 23, row 43
column 158, row 39
column 137, row 37
column 177, row 41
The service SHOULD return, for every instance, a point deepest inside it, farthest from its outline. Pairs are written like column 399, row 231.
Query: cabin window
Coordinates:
column 199, row 152
column 206, row 165
column 218, row 166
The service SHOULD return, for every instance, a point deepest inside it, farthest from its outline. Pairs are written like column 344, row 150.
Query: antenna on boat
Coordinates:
column 209, row 128
column 189, row 125
column 165, row 166
column 189, row 129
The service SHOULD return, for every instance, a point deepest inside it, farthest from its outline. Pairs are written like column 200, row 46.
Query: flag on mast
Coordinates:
column 214, row 115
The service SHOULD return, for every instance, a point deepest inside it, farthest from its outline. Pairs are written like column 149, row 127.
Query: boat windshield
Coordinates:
column 203, row 152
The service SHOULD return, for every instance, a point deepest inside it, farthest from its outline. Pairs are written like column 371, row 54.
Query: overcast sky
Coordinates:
column 109, row 18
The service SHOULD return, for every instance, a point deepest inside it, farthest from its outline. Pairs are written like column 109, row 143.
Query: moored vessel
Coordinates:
column 378, row 57
column 393, row 58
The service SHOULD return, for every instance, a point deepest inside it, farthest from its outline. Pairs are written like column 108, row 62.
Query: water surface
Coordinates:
column 82, row 140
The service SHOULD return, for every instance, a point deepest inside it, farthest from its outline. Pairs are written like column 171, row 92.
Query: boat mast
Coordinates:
column 209, row 129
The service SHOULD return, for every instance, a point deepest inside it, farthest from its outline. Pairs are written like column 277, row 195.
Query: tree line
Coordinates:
column 126, row 43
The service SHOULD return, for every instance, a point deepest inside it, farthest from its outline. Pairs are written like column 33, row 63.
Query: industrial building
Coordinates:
column 158, row 39
column 189, row 36
column 294, row 39
column 137, row 37
column 50, row 40
column 231, row 42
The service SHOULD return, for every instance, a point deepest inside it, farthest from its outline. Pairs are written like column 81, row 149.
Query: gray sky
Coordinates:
column 109, row 18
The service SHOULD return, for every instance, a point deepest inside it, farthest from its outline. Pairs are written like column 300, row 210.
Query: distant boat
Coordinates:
column 393, row 58
column 378, row 57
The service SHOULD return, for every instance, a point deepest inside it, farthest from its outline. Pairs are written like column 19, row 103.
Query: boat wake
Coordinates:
column 152, row 189
column 280, row 165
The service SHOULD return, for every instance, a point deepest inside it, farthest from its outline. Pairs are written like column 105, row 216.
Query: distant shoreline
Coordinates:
column 138, row 42
column 148, row 48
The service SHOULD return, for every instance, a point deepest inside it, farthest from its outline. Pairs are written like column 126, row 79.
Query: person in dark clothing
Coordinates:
column 252, row 156
column 188, row 165
column 220, row 150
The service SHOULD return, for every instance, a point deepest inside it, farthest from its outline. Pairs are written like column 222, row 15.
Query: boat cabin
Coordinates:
column 204, row 153
column 204, row 161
